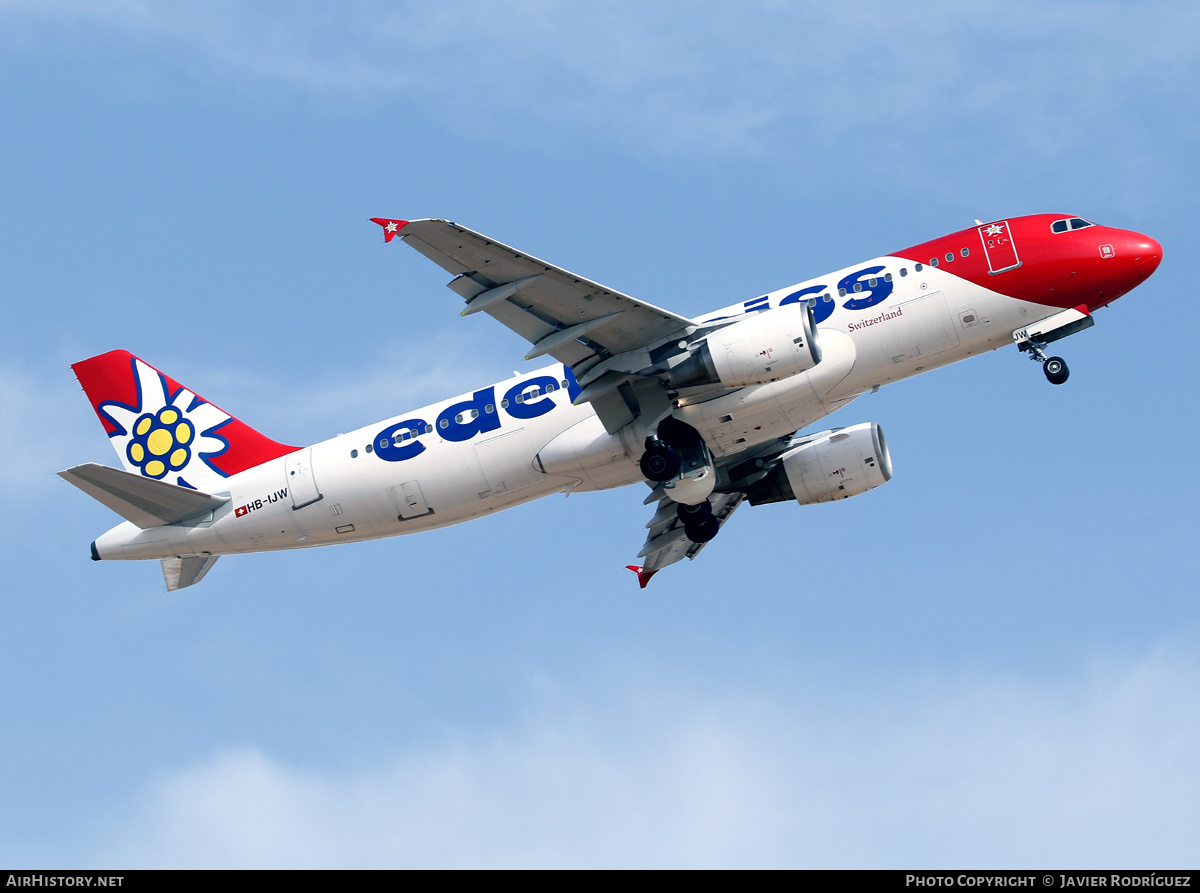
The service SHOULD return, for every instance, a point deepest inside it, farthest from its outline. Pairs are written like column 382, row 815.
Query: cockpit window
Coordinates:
column 1061, row 226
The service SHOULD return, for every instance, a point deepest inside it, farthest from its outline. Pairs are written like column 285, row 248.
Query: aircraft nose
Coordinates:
column 1147, row 253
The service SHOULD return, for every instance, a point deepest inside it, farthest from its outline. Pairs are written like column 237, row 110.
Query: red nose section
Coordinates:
column 1147, row 253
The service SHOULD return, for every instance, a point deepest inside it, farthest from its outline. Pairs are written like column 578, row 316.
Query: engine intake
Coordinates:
column 762, row 348
column 826, row 466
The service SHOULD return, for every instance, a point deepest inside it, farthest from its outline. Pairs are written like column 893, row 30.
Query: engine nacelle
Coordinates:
column 830, row 465
column 762, row 348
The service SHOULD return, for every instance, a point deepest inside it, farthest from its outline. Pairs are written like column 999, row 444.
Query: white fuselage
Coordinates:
column 476, row 453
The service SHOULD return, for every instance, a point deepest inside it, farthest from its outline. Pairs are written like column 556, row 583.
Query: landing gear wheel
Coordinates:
column 691, row 514
column 1056, row 370
column 659, row 463
column 702, row 531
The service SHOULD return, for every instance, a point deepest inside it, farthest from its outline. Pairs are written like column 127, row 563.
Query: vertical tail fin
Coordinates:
column 162, row 430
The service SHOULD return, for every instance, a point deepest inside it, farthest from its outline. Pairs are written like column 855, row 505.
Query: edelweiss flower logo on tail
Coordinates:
column 162, row 430
column 165, row 434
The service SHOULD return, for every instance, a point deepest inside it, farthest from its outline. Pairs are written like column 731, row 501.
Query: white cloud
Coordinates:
column 1097, row 770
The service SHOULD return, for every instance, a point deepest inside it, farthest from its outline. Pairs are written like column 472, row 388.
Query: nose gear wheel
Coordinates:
column 1056, row 370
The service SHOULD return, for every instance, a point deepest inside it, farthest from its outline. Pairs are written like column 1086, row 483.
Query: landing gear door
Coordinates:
column 300, row 481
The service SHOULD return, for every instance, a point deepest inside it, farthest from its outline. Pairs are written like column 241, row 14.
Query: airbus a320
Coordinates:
column 709, row 412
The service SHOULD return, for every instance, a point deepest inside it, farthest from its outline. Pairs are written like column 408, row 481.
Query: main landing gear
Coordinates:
column 660, row 462
column 699, row 523
column 1055, row 368
column 677, row 458
column 663, row 463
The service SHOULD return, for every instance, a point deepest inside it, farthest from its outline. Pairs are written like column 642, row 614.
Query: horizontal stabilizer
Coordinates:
column 181, row 572
column 144, row 501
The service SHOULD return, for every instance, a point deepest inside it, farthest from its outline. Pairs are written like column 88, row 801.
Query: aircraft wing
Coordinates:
column 578, row 322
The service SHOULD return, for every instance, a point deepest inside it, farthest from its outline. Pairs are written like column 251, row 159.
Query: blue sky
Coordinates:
column 992, row 661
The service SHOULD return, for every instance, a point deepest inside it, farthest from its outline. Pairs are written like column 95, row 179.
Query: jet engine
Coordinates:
column 829, row 465
column 762, row 348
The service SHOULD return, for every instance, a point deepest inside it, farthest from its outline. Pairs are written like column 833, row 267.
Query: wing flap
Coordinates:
column 144, row 501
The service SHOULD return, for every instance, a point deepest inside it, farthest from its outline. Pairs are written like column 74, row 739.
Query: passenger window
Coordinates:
column 826, row 297
column 504, row 404
column 354, row 454
column 917, row 267
column 933, row 261
column 429, row 429
column 444, row 423
column 872, row 282
column 887, row 277
column 904, row 271
column 564, row 383
column 858, row 286
column 489, row 409
column 841, row 292
column 965, row 252
column 551, row 388
column 369, row 447
column 949, row 256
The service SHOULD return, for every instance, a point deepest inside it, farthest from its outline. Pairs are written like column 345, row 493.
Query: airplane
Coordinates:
column 708, row 412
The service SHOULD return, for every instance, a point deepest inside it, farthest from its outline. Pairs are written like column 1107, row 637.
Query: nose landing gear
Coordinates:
column 1055, row 368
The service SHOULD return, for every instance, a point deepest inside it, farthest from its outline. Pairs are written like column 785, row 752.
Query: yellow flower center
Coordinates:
column 159, row 443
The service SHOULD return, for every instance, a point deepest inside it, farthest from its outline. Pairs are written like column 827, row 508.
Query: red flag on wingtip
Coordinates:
column 390, row 227
column 643, row 575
